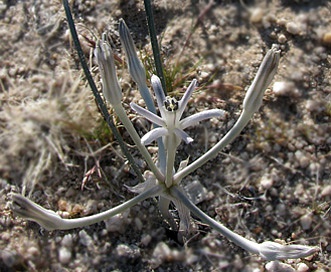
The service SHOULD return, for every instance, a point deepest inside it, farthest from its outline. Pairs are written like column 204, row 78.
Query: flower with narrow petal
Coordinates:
column 171, row 112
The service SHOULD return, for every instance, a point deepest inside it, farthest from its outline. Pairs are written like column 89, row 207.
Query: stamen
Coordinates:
column 171, row 103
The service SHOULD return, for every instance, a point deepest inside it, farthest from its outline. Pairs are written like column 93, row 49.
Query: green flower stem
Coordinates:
column 51, row 221
column 150, row 106
column 235, row 238
column 212, row 153
column 171, row 148
column 135, row 137
column 252, row 102
column 164, row 210
column 268, row 250
column 155, row 45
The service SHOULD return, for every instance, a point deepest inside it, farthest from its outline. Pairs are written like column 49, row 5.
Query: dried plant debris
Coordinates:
column 271, row 183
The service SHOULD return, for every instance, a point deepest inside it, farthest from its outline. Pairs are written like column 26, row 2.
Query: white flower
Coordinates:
column 171, row 112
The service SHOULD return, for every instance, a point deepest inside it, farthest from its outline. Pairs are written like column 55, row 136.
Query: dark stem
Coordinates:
column 155, row 45
column 102, row 106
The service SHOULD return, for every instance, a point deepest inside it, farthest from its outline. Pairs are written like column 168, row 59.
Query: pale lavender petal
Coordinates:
column 136, row 68
column 183, row 135
column 185, row 218
column 274, row 251
column 183, row 102
column 147, row 114
column 153, row 135
column 157, row 87
column 264, row 76
column 110, row 86
column 200, row 116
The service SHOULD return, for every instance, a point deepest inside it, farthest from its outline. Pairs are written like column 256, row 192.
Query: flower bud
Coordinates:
column 110, row 86
column 264, row 76
column 136, row 68
column 273, row 251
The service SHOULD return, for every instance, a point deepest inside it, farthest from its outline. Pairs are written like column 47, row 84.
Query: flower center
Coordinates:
column 171, row 104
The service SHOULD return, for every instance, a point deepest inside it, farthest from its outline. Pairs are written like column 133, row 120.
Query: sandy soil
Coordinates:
column 272, row 183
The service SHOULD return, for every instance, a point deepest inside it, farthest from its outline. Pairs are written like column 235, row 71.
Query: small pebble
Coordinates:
column 138, row 223
column 285, row 88
column 314, row 106
column 302, row 158
column 276, row 266
column 196, row 191
column 64, row 255
column 326, row 39
column 77, row 209
column 326, row 191
column 84, row 238
column 63, row 205
column 118, row 223
column 302, row 267
column 67, row 240
column 204, row 75
column 306, row 221
column 90, row 207
column 118, row 13
column 212, row 139
column 281, row 209
column 299, row 190
column 128, row 252
column 192, row 258
column 146, row 239
column 266, row 182
column 161, row 253
column 32, row 252
column 282, row 38
column 256, row 15
column 63, row 214
column 292, row 28
column 281, row 21
column 269, row 208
